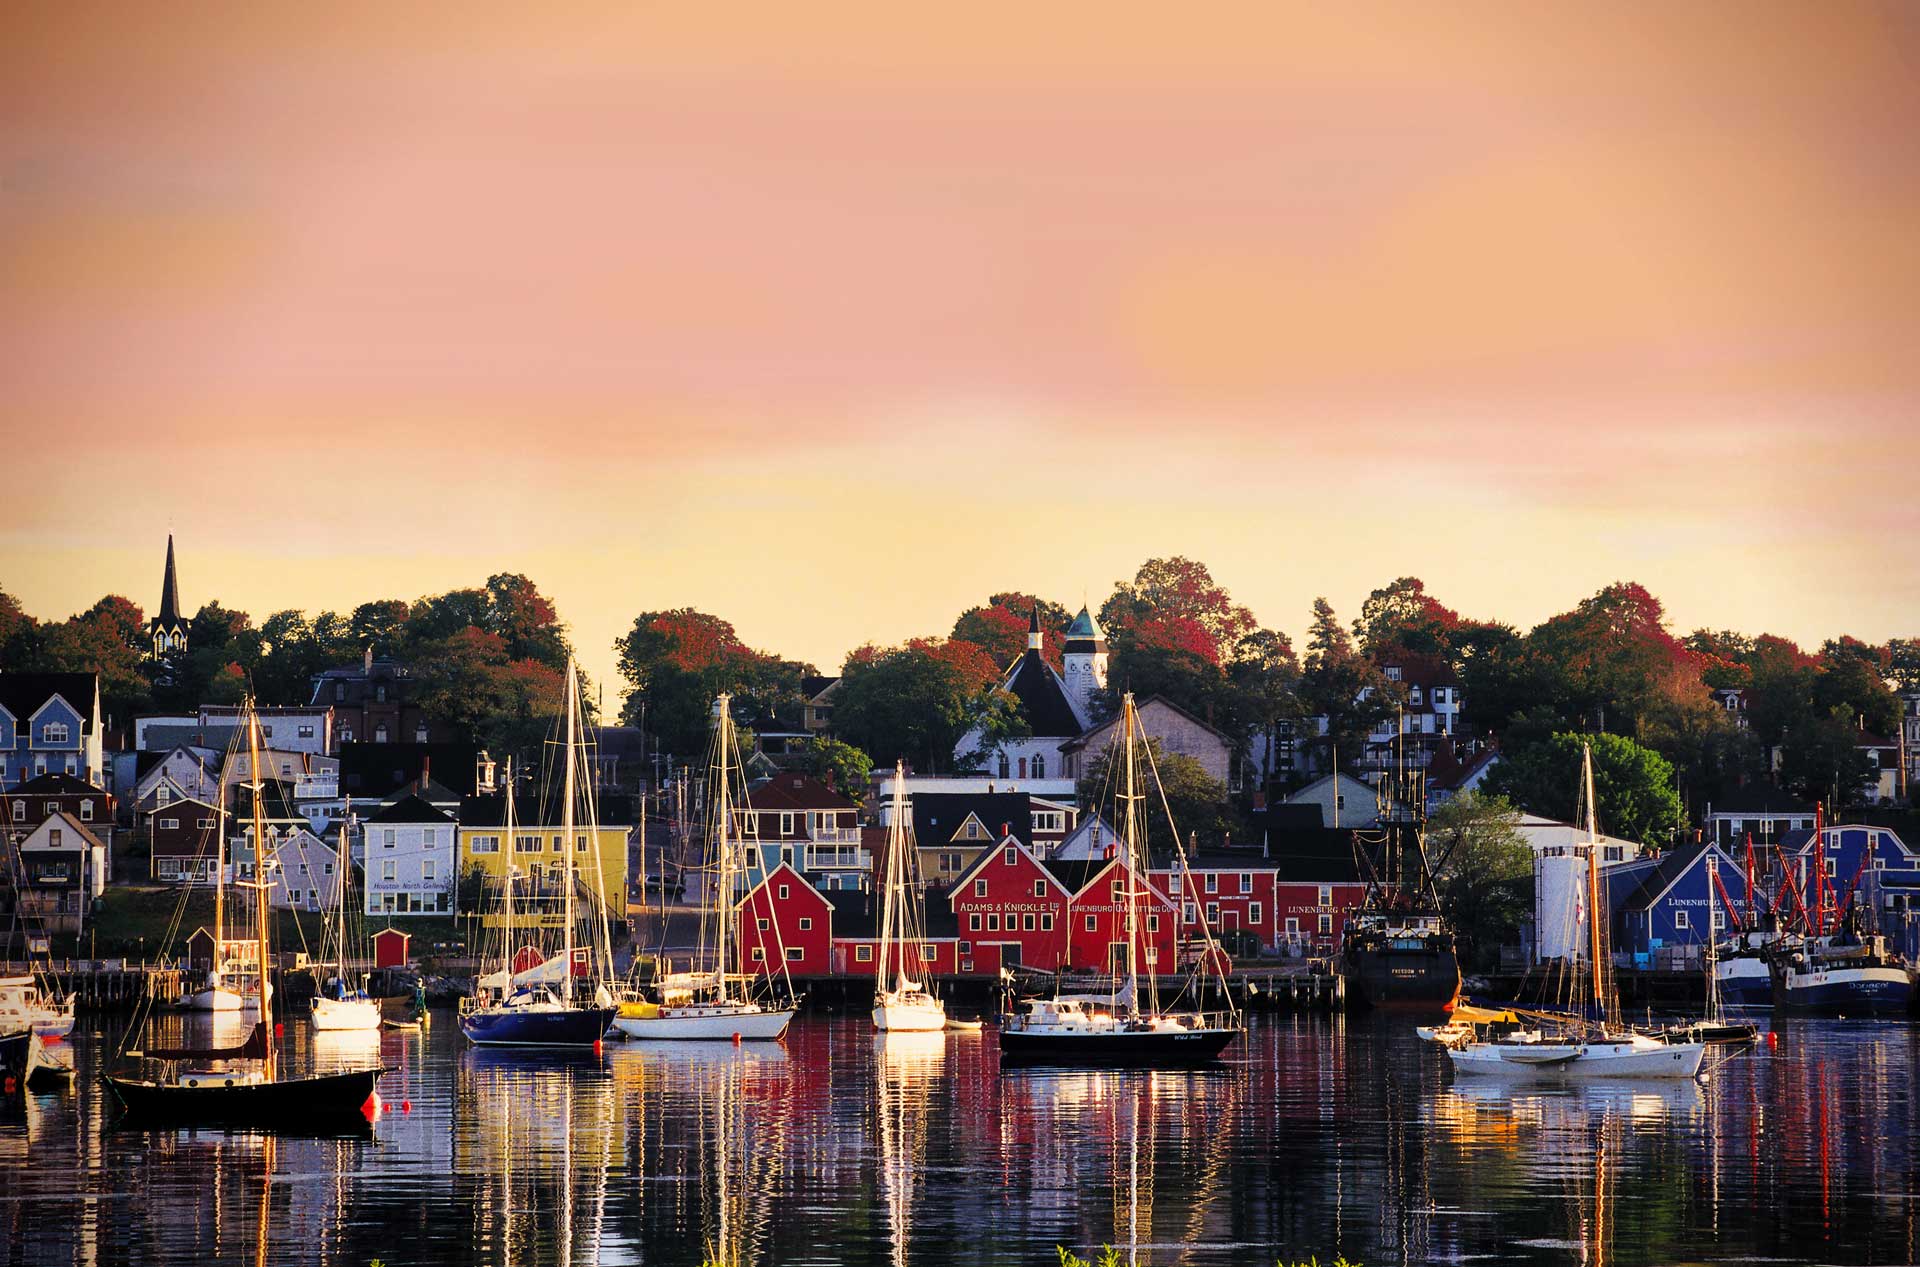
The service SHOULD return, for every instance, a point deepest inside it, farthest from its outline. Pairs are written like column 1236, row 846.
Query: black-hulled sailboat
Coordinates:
column 1396, row 951
column 243, row 1086
column 1128, row 1025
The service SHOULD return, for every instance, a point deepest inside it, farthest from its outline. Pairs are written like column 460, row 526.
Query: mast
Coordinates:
column 1133, row 812
column 263, row 906
column 891, row 974
column 1593, row 884
column 566, row 832
column 723, row 808
column 506, row 929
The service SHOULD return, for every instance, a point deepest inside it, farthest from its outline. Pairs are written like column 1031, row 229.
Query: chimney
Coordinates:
column 426, row 771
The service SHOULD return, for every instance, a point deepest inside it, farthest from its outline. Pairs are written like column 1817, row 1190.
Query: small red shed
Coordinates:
column 390, row 948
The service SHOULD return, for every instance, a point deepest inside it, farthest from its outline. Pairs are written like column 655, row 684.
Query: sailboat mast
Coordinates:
column 1593, row 884
column 263, row 906
column 1133, row 813
column 566, row 826
column 506, row 929
column 723, row 808
column 891, row 974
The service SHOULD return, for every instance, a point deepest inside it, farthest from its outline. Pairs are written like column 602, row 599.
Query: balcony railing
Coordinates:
column 838, row 859
column 834, row 835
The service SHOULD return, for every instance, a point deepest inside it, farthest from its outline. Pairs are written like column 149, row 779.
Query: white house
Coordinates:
column 305, row 870
column 1057, row 708
column 63, row 868
column 409, row 853
column 1344, row 801
column 181, row 773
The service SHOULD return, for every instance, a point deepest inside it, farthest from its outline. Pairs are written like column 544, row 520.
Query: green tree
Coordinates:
column 1001, row 720
column 1404, row 615
column 907, row 703
column 1821, row 760
column 1343, row 686
column 839, row 765
column 19, row 634
column 1198, row 801
column 1483, row 870
column 1633, row 785
column 109, row 638
column 380, row 625
column 526, row 620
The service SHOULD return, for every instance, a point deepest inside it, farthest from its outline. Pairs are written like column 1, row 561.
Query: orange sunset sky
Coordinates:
column 833, row 320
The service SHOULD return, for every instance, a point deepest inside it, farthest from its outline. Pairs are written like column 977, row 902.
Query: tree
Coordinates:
column 381, row 625
column 839, row 765
column 909, row 703
column 1343, row 686
column 469, row 683
column 19, row 634
column 1404, row 615
column 109, row 638
column 1903, row 663
column 526, row 621
column 1821, row 760
column 1263, row 690
column 1708, row 750
column 1001, row 720
column 1483, row 870
column 1184, row 595
column 1197, row 800
column 679, row 660
column 1633, row 785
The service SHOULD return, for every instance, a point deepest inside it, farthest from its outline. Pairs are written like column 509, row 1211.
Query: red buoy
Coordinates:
column 596, row 1047
column 279, row 1029
column 406, row 1106
column 1773, row 1039
column 736, row 1038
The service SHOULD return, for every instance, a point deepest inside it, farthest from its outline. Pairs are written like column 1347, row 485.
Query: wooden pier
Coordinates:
column 112, row 985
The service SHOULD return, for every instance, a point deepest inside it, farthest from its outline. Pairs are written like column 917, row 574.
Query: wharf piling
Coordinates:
column 111, row 985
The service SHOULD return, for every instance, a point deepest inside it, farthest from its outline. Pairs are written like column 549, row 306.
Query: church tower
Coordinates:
column 168, row 630
column 1085, row 661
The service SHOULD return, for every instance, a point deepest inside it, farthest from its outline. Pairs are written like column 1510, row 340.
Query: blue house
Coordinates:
column 50, row 724
column 1676, row 902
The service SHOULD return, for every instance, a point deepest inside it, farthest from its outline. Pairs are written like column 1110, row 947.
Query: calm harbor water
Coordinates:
column 1318, row 1137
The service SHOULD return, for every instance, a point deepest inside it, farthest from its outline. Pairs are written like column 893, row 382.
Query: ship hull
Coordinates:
column 1883, row 991
column 1402, row 980
column 706, row 1024
column 1626, row 1059
column 526, row 1027
column 294, row 1102
column 1744, row 982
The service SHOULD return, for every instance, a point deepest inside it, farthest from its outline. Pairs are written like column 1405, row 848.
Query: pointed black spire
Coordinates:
column 1034, row 639
column 170, row 591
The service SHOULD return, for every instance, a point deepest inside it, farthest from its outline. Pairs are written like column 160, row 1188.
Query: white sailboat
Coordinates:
column 712, row 1005
column 227, row 971
column 26, row 1001
column 342, row 1004
column 901, row 1003
column 1600, row 1048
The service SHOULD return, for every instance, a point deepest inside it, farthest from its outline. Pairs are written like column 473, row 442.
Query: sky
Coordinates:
column 833, row 320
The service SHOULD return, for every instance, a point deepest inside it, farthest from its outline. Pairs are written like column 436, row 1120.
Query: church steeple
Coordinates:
column 168, row 630
column 1035, row 639
column 1085, row 659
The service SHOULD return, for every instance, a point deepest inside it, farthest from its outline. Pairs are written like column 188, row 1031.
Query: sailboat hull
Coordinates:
column 294, row 1102
column 1640, row 1058
column 345, row 1014
column 1145, row 1047
column 707, row 1024
column 527, row 1027
column 897, row 1015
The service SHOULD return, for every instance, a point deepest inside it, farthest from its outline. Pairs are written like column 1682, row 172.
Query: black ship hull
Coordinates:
column 1389, row 979
column 294, row 1103
column 1150, row 1047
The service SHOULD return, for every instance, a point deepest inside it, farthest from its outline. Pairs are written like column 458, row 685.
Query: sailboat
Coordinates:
column 536, row 1005
column 1122, row 1026
column 215, row 995
column 1713, row 1026
column 901, row 1003
column 342, row 1003
column 1594, row 1044
column 713, row 1005
column 243, row 1086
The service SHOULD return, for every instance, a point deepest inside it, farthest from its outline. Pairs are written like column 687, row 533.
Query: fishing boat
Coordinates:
column 24, row 1004
column 901, row 1003
column 242, row 1086
column 342, row 1003
column 1396, row 951
column 1838, row 966
column 1128, row 1025
column 718, row 1004
column 533, row 999
column 1589, row 1043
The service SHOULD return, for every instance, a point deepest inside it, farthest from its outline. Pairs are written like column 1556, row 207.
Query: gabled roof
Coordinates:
column 1075, row 874
column 410, row 809
column 1140, row 707
column 938, row 815
column 24, row 694
column 990, row 854
column 276, row 804
column 813, row 687
column 56, row 783
column 1317, row 855
column 791, row 792
column 1420, row 670
column 1043, row 697
column 786, row 869
column 63, row 821
column 215, row 737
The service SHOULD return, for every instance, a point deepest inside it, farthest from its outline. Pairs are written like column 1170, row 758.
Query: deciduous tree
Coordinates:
column 1483, row 870
column 1633, row 785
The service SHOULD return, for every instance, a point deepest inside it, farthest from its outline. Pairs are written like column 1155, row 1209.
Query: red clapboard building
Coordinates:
column 783, row 920
column 1246, row 893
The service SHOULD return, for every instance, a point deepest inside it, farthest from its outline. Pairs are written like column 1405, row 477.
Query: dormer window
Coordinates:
column 1393, row 673
column 54, row 732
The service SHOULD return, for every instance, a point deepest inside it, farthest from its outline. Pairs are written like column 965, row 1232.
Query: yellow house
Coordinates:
column 538, row 853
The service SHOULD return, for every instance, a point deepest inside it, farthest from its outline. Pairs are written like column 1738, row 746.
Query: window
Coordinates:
column 784, row 890
column 346, row 734
column 1008, row 856
column 1153, row 923
column 1005, row 768
column 526, row 844
column 340, row 693
column 306, row 732
column 326, row 868
column 420, row 734
column 993, row 921
column 1213, row 882
column 786, row 824
column 1039, row 888
column 1293, row 926
column 293, row 896
column 387, row 871
column 428, row 837
column 973, row 922
column 1026, row 921
column 795, row 953
column 86, row 810
column 386, row 838
column 20, row 811
column 483, row 844
column 1039, row 767
column 1089, row 923
column 286, row 769
column 759, row 954
column 53, row 838
column 1213, row 914
column 1246, row 883
column 1253, row 914
column 54, row 732
column 169, row 824
column 979, row 888
column 1326, row 895
column 1186, row 913
column 1119, row 891
column 162, row 795
column 1719, row 921
column 1173, row 885
column 579, row 844
column 1153, row 954
column 380, row 733
column 966, row 947
column 806, row 923
column 863, row 954
column 206, row 824
column 1049, row 820
column 1679, row 918
column 429, row 871
column 1046, row 921
column 1023, row 767
column 1326, row 925
column 928, row 953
